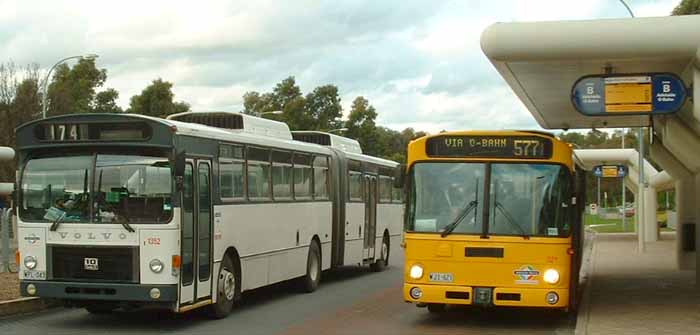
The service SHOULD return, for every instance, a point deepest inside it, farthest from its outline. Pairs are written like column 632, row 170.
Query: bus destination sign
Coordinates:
column 524, row 147
column 661, row 93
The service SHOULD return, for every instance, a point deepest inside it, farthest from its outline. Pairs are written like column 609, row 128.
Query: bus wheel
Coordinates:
column 383, row 261
column 436, row 308
column 228, row 289
column 311, row 280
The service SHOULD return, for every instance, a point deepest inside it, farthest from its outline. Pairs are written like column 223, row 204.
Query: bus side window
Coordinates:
column 355, row 186
column 385, row 188
column 302, row 176
column 281, row 175
column 258, row 174
column 320, row 168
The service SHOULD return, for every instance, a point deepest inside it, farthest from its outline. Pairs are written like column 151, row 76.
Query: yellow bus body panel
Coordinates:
column 518, row 274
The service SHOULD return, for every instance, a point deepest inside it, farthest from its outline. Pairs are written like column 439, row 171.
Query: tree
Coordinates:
column 687, row 7
column 19, row 103
column 254, row 103
column 156, row 100
column 323, row 108
column 361, row 125
column 106, row 102
column 73, row 89
column 284, row 92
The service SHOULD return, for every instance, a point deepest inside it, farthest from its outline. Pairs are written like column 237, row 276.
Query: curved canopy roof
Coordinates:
column 541, row 61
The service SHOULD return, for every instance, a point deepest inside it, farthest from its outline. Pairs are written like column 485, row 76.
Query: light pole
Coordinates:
column 642, row 183
column 46, row 80
column 337, row 130
column 271, row 112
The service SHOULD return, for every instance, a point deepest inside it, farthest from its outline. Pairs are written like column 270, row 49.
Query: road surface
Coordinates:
column 351, row 300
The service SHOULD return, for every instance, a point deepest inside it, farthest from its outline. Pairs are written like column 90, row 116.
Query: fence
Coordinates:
column 8, row 242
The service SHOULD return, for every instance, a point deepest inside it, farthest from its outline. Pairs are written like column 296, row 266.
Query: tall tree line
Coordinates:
column 321, row 110
column 71, row 89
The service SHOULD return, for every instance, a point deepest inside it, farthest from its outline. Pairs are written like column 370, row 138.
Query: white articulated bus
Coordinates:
column 118, row 210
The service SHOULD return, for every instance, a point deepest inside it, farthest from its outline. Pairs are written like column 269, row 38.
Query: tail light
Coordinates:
column 570, row 251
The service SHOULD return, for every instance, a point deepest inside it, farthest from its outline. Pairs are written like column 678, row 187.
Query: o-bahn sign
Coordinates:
column 642, row 94
column 610, row 171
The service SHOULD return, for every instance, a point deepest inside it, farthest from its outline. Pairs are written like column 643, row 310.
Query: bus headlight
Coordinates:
column 156, row 265
column 416, row 271
column 30, row 262
column 551, row 276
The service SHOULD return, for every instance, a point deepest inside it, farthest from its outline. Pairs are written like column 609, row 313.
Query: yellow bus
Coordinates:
column 492, row 219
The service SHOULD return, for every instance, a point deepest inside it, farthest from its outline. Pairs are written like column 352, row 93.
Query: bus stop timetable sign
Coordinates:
column 610, row 171
column 643, row 94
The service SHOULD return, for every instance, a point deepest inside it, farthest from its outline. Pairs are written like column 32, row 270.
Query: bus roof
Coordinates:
column 27, row 138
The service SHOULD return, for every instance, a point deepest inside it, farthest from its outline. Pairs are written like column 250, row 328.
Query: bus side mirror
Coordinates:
column 399, row 175
column 179, row 170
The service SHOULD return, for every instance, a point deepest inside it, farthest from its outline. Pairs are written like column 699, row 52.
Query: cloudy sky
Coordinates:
column 418, row 62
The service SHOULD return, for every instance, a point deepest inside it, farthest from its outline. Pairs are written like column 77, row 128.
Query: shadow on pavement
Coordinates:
column 163, row 320
column 516, row 319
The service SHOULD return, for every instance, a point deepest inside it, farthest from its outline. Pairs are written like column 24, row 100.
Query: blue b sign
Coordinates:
column 660, row 93
column 610, row 171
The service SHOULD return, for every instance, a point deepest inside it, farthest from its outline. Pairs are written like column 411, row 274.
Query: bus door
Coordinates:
column 370, row 216
column 196, row 269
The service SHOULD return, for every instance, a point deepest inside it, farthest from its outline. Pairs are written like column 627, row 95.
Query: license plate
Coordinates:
column 441, row 277
column 34, row 274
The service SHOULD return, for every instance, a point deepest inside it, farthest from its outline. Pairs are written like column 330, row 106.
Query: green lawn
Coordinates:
column 600, row 225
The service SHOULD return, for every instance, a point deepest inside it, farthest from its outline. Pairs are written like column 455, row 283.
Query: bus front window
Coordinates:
column 443, row 193
column 133, row 188
column 529, row 199
column 125, row 188
column 56, row 188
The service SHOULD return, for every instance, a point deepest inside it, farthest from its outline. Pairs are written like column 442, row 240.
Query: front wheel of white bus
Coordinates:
column 228, row 289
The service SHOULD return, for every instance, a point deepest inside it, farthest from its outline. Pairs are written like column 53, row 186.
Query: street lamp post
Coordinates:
column 337, row 130
column 271, row 112
column 642, row 184
column 46, row 80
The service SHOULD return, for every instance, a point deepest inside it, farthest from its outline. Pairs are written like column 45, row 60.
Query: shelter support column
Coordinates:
column 651, row 226
column 686, row 212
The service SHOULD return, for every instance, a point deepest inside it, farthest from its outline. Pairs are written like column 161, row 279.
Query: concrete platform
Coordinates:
column 632, row 293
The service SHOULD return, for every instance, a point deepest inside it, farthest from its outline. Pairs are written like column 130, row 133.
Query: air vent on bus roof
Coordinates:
column 236, row 121
column 330, row 140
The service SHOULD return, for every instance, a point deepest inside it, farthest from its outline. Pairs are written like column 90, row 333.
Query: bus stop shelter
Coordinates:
column 542, row 61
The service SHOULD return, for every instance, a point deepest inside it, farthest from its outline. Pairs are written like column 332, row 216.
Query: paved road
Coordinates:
column 349, row 301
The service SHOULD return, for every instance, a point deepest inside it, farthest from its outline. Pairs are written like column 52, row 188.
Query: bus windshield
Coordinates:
column 523, row 199
column 124, row 188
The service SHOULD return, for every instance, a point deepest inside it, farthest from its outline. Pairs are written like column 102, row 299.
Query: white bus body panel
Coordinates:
column 264, row 234
column 354, row 232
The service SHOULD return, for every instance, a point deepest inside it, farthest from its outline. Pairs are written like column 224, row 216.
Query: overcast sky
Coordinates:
column 418, row 62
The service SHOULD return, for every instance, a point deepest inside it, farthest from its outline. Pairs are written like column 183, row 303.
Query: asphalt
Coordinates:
column 351, row 300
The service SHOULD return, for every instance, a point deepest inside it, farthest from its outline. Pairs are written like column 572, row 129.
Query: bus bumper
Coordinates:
column 499, row 296
column 99, row 291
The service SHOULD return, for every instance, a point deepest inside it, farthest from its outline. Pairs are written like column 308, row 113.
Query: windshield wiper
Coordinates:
column 509, row 218
column 58, row 221
column 450, row 227
column 125, row 223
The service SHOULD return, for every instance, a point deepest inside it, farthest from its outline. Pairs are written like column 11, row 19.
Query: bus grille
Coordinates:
column 113, row 264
